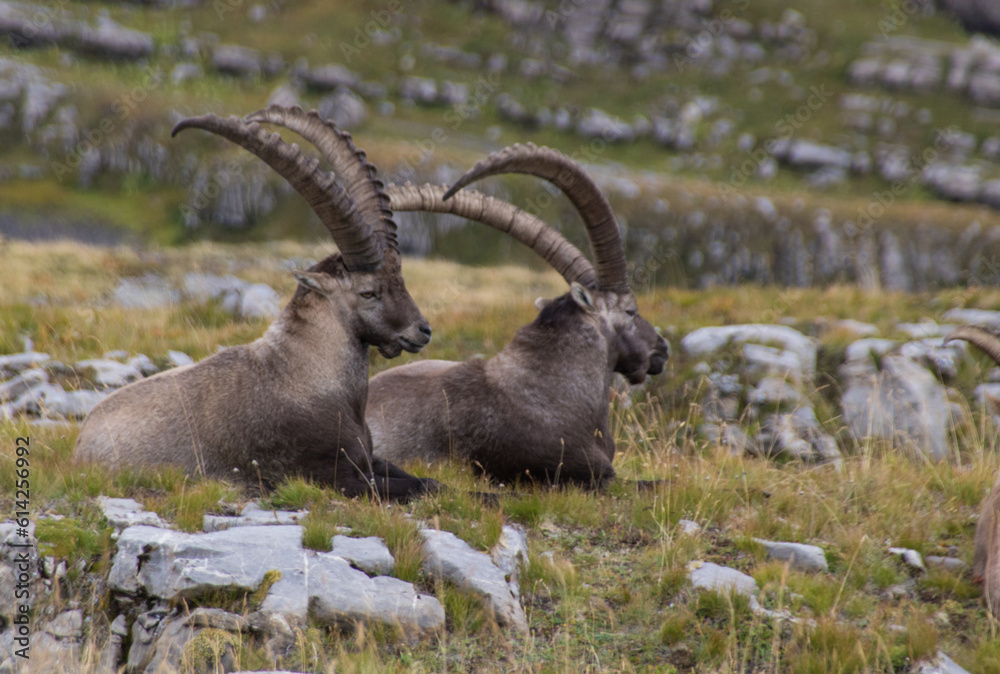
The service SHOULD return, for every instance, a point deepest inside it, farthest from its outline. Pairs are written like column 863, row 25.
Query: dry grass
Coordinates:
column 606, row 586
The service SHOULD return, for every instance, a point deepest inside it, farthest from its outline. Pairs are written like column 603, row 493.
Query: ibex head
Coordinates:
column 362, row 285
column 601, row 290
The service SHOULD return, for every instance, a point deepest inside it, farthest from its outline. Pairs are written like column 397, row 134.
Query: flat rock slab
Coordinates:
column 252, row 515
column 15, row 363
column 450, row 558
column 110, row 373
column 169, row 565
column 941, row 665
column 126, row 512
column 802, row 557
column 510, row 555
column 369, row 554
column 706, row 340
column 343, row 596
column 709, row 576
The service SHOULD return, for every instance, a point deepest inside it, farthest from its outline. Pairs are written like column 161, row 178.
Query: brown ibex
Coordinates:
column 292, row 402
column 986, row 554
column 539, row 409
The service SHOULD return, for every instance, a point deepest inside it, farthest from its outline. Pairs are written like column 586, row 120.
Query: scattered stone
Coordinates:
column 510, row 555
column 368, row 554
column 179, row 359
column 942, row 665
column 774, row 391
column 947, row 563
column 125, row 512
column 253, row 515
column 145, row 292
column 912, row 558
column 981, row 317
column 18, row 362
column 72, row 404
column 344, row 596
column 710, row 576
column 143, row 363
column 802, row 557
column 771, row 361
column 237, row 60
column 345, row 108
column 903, row 402
column 925, row 329
column 707, row 340
column 109, row 373
column 21, row 384
column 688, row 528
column 260, row 301
column 452, row 559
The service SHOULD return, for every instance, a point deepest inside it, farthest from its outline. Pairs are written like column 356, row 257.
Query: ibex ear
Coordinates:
column 541, row 303
column 581, row 296
column 324, row 284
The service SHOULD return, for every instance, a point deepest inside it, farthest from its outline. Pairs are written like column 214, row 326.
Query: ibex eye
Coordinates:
column 367, row 295
column 632, row 313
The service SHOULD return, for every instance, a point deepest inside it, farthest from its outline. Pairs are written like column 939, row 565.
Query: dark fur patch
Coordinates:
column 557, row 313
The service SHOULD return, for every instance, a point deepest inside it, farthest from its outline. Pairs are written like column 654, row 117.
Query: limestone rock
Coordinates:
column 903, row 403
column 510, row 555
column 126, row 512
column 368, row 554
column 802, row 557
column 252, row 515
column 145, row 292
column 706, row 340
column 710, row 576
column 109, row 373
column 452, row 559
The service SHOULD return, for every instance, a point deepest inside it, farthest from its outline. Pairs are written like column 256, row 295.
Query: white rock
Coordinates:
column 21, row 384
column 126, row 512
column 179, row 359
column 110, row 373
column 450, row 558
column 510, row 554
column 802, row 557
column 706, row 340
column 252, row 515
column 910, row 557
column 368, row 554
column 709, row 576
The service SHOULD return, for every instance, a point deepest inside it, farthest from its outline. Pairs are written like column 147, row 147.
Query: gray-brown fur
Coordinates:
column 292, row 402
column 538, row 410
column 986, row 555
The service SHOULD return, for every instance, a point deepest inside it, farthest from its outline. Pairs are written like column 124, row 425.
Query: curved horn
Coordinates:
column 984, row 339
column 351, row 232
column 587, row 198
column 498, row 214
column 349, row 163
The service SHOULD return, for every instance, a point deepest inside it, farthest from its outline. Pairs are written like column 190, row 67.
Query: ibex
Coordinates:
column 539, row 409
column 292, row 402
column 986, row 554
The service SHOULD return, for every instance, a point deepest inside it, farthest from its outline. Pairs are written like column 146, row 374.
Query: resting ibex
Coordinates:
column 986, row 555
column 292, row 402
column 539, row 409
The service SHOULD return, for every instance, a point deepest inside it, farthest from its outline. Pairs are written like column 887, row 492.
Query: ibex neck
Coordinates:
column 319, row 360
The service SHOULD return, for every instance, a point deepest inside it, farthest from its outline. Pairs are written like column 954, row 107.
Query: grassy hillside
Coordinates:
column 606, row 588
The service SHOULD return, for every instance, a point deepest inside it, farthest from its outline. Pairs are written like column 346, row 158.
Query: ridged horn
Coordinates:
column 533, row 232
column 350, row 165
column 587, row 198
column 353, row 235
column 984, row 339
